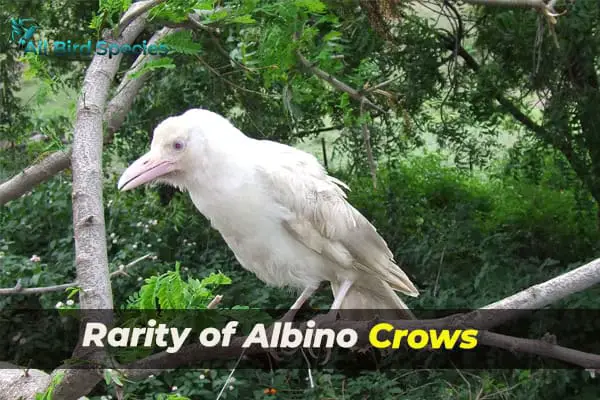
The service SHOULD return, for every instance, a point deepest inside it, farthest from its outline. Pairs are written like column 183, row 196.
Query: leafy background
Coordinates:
column 475, row 205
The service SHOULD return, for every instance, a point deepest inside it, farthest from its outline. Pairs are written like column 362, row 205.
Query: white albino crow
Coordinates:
column 283, row 217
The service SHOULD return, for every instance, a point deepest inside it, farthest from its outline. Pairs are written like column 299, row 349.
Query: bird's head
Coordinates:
column 182, row 145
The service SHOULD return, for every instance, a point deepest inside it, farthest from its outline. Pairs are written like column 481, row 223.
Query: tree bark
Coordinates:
column 91, row 260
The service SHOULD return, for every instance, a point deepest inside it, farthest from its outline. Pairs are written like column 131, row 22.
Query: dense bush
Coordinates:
column 459, row 234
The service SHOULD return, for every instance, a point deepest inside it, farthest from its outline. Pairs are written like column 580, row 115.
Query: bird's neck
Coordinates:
column 221, row 178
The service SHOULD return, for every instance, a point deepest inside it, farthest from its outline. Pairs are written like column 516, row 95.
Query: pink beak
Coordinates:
column 143, row 170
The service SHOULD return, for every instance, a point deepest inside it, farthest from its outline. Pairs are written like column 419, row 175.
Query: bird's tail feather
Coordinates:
column 369, row 297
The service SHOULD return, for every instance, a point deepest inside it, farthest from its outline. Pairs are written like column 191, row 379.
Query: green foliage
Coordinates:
column 109, row 12
column 170, row 291
column 455, row 232
column 112, row 376
column 467, row 235
column 178, row 10
column 563, row 74
column 163, row 396
column 182, row 42
column 313, row 6
column 152, row 65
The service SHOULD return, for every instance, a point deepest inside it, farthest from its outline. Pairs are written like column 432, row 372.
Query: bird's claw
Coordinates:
column 325, row 319
column 277, row 353
column 321, row 320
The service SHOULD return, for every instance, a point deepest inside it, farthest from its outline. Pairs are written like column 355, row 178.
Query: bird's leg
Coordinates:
column 331, row 316
column 341, row 295
column 304, row 296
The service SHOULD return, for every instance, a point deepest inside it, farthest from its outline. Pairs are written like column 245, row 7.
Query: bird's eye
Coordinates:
column 178, row 145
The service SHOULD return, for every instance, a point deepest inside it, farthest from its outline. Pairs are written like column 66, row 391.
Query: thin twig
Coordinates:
column 310, row 376
column 439, row 271
column 537, row 4
column 214, row 33
column 214, row 302
column 217, row 73
column 338, row 84
column 18, row 289
column 123, row 268
column 369, row 149
column 195, row 20
column 381, row 85
column 231, row 374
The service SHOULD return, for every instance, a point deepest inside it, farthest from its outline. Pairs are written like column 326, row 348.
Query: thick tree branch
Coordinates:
column 194, row 353
column 33, row 175
column 544, row 7
column 18, row 383
column 532, row 298
column 134, row 12
column 553, row 290
column 115, row 114
column 541, row 348
column 88, row 211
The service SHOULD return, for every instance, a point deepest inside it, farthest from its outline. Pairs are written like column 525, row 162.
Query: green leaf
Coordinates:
column 107, row 376
column 218, row 16
column 244, row 19
column 170, row 291
column 216, row 279
column 164, row 62
column 97, row 21
column 313, row 6
column 182, row 42
column 331, row 36
column 72, row 291
column 116, row 379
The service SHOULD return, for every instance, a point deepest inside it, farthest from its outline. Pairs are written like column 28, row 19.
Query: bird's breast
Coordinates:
column 253, row 229
column 276, row 258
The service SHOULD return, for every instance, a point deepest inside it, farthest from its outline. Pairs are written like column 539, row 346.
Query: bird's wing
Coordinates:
column 321, row 218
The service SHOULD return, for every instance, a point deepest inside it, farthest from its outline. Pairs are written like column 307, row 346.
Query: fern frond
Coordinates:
column 182, row 42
